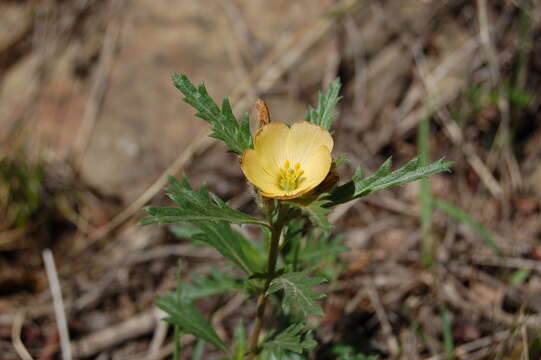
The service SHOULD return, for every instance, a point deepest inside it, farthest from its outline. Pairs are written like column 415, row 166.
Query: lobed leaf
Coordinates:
column 236, row 135
column 214, row 283
column 189, row 319
column 318, row 248
column 324, row 114
column 316, row 210
column 291, row 339
column 230, row 243
column 209, row 216
column 383, row 179
column 195, row 206
column 297, row 287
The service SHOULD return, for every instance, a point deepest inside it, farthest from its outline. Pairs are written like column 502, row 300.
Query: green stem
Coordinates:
column 276, row 231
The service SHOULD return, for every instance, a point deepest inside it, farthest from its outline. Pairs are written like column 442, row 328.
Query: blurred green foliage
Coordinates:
column 21, row 190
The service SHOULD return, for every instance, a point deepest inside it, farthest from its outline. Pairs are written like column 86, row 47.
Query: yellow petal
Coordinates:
column 316, row 167
column 305, row 138
column 257, row 174
column 270, row 144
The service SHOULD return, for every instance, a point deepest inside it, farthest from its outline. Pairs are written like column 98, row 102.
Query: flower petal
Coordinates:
column 270, row 144
column 316, row 167
column 304, row 139
column 252, row 167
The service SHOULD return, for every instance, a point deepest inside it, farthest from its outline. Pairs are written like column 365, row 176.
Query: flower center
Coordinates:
column 290, row 177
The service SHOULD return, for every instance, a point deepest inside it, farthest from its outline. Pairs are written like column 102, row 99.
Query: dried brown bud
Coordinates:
column 262, row 112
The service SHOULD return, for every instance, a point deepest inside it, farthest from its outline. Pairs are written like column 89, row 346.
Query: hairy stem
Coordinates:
column 276, row 231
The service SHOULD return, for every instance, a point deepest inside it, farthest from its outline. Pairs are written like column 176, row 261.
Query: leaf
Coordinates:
column 383, row 179
column 184, row 231
column 230, row 243
column 208, row 216
column 325, row 113
column 297, row 287
column 316, row 210
column 225, row 126
column 240, row 342
column 346, row 352
column 194, row 206
column 457, row 214
column 198, row 350
column 291, row 339
column 339, row 161
column 189, row 319
column 447, row 330
column 321, row 247
column 214, row 283
column 227, row 241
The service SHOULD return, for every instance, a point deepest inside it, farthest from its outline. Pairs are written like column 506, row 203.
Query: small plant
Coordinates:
column 21, row 191
column 295, row 181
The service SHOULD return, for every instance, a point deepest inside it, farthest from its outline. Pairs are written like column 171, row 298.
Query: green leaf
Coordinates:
column 318, row 248
column 383, row 179
column 189, row 319
column 214, row 283
column 209, row 216
column 297, row 287
column 225, row 126
column 325, row 113
column 230, row 243
column 240, row 342
column 291, row 339
column 339, row 161
column 457, row 214
column 198, row 350
column 184, row 231
column 346, row 352
column 447, row 330
column 194, row 206
column 315, row 208
column 518, row 277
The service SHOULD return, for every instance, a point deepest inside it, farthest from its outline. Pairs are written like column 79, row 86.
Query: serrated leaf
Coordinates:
column 189, row 319
column 324, row 114
column 291, row 339
column 214, row 283
column 383, row 179
column 320, row 247
column 227, row 241
column 297, row 287
column 209, row 215
column 194, row 206
column 315, row 208
column 225, row 126
column 230, row 243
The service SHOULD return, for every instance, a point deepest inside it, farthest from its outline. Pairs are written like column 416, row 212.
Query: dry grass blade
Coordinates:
column 18, row 345
column 58, row 303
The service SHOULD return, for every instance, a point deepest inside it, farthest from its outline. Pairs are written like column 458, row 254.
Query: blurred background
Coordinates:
column 90, row 125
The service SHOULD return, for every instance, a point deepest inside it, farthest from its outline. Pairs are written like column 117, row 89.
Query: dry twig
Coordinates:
column 58, row 304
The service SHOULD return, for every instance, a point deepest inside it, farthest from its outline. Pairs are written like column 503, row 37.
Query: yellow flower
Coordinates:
column 287, row 162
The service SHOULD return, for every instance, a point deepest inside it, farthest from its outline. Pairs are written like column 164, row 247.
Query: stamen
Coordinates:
column 290, row 178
